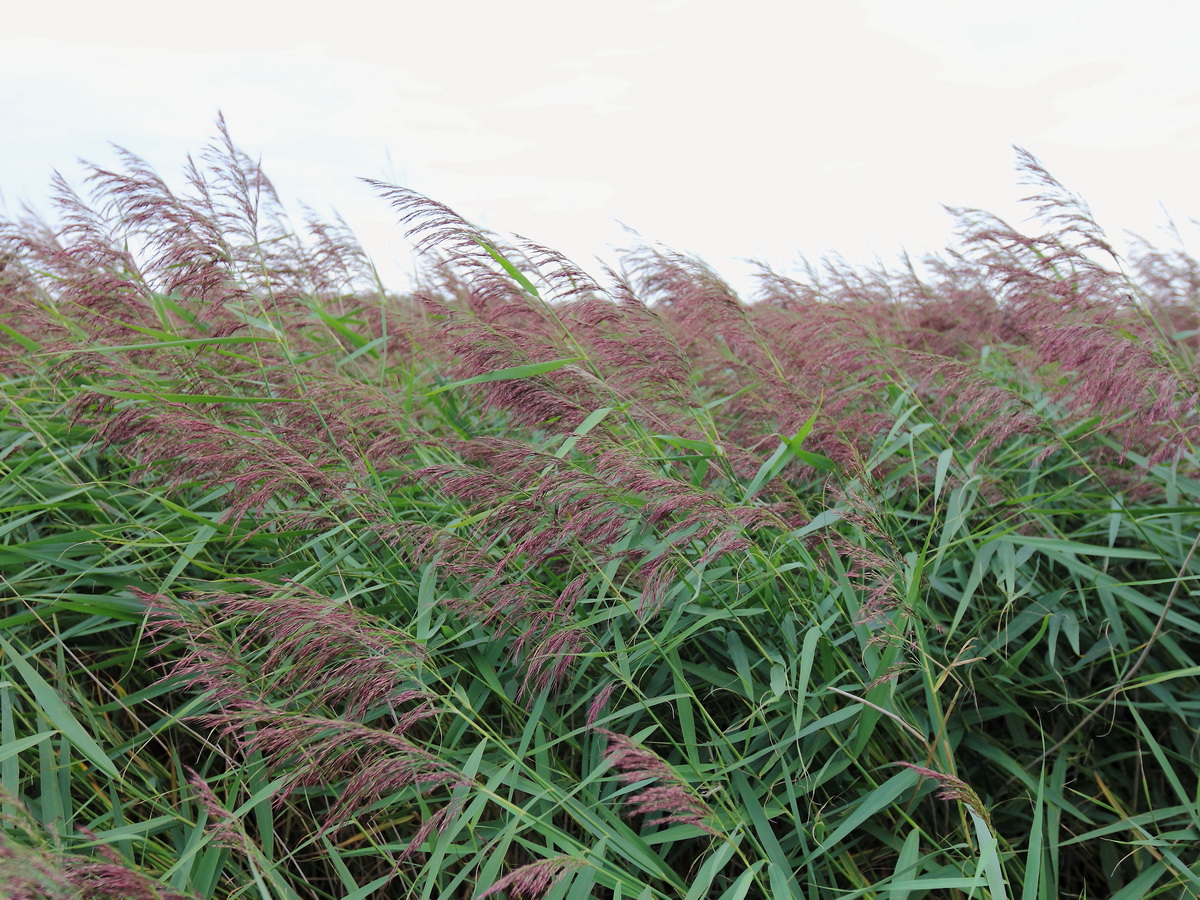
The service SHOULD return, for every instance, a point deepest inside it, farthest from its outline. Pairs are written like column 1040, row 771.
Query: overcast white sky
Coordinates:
column 727, row 130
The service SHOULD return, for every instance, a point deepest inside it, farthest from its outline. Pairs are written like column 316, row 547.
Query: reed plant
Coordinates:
column 523, row 584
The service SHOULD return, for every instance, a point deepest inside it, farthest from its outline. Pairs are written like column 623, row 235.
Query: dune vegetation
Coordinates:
column 524, row 584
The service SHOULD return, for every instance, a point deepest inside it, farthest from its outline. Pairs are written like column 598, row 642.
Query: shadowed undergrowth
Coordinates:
column 523, row 584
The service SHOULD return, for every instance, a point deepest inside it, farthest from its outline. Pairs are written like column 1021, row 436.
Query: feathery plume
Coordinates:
column 671, row 795
column 535, row 879
column 953, row 789
column 275, row 700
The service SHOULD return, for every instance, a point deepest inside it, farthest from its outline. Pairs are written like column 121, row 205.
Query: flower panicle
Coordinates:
column 952, row 789
column 534, row 879
column 316, row 652
column 670, row 796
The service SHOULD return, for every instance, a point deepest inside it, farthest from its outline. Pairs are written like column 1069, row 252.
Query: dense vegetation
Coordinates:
column 879, row 585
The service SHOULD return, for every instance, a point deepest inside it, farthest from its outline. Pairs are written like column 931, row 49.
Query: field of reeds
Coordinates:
column 880, row 583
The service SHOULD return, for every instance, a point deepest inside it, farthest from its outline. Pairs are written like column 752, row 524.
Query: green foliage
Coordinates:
column 878, row 636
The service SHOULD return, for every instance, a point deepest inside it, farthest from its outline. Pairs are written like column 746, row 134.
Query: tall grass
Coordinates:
column 526, row 585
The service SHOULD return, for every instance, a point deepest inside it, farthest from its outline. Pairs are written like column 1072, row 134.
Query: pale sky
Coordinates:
column 754, row 129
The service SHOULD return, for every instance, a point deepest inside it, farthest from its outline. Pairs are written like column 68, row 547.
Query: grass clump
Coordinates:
column 525, row 585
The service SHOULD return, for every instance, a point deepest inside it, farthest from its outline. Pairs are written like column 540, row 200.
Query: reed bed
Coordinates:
column 523, row 584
